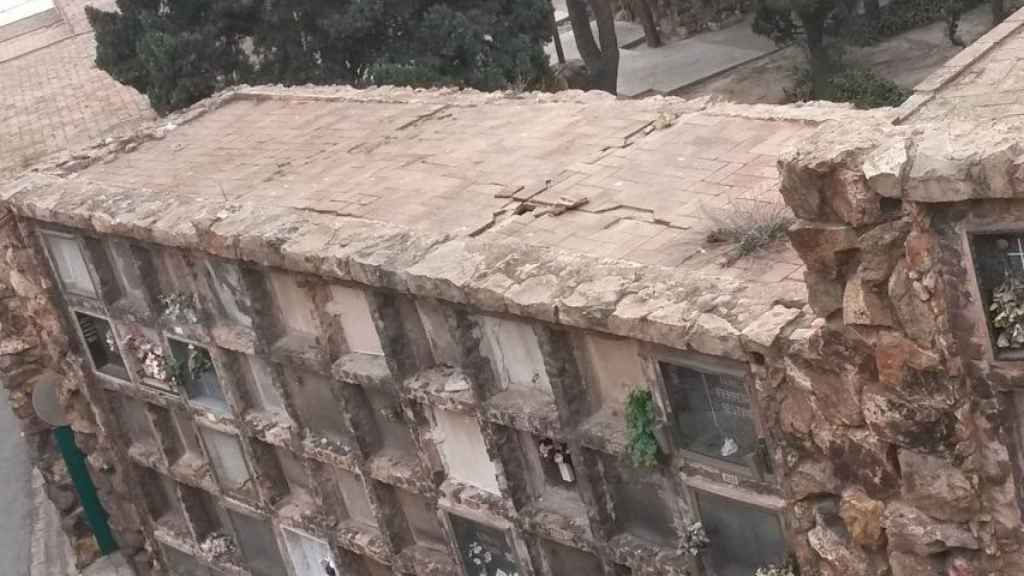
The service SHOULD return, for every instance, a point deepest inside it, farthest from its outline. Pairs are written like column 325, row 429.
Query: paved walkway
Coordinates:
column 51, row 550
column 16, row 490
column 54, row 97
column 680, row 62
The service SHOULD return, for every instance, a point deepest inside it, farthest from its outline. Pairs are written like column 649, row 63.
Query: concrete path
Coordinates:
column 680, row 62
column 690, row 60
column 15, row 496
column 51, row 550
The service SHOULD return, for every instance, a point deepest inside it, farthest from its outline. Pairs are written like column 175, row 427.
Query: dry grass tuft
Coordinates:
column 751, row 225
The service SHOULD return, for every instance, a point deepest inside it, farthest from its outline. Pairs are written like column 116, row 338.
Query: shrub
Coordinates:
column 751, row 225
column 640, row 440
column 900, row 16
column 856, row 85
column 182, row 51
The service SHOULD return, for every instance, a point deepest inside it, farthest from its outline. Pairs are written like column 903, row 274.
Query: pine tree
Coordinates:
column 180, row 51
column 805, row 22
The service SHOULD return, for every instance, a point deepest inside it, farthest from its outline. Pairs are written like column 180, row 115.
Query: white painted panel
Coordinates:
column 293, row 304
column 351, row 307
column 126, row 270
column 617, row 369
column 263, row 385
column 515, row 354
column 356, row 502
column 69, row 261
column 226, row 279
column 462, row 446
column 308, row 555
column 227, row 458
column 435, row 325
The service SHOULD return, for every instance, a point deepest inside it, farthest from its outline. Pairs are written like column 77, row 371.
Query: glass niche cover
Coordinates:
column 712, row 412
column 485, row 551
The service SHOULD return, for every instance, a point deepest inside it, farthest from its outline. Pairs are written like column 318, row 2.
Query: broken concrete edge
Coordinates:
column 928, row 163
column 506, row 276
column 926, row 90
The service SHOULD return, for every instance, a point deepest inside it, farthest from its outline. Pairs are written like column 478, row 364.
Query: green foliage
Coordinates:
column 192, row 367
column 858, row 86
column 175, row 52
column 640, row 440
column 901, row 15
column 788, row 21
column 1007, row 313
column 178, row 52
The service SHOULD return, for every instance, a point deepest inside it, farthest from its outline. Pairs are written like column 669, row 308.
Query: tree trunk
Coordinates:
column 557, row 39
column 953, row 11
column 998, row 11
column 813, row 23
column 608, row 79
column 874, row 13
column 669, row 17
column 602, row 60
column 643, row 11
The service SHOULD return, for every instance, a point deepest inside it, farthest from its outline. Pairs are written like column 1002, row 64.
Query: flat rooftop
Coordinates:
column 536, row 198
column 644, row 181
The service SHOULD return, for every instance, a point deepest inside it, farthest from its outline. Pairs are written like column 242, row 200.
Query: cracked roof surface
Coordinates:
column 642, row 181
column 574, row 208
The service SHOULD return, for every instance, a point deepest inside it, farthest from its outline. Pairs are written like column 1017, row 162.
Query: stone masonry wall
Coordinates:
column 33, row 348
column 895, row 422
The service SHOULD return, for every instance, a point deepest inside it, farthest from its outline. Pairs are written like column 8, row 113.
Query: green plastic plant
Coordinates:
column 196, row 363
column 640, row 440
column 1007, row 310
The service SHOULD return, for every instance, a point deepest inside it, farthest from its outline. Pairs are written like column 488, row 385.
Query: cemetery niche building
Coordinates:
column 323, row 331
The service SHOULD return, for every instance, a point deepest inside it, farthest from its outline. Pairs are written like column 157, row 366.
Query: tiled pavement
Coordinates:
column 653, row 201
column 54, row 98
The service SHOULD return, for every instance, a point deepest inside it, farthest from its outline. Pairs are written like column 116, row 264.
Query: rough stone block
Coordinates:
column 863, row 518
column 885, row 168
column 838, row 552
column 824, row 248
column 914, row 532
column 852, row 200
column 907, row 424
column 713, row 335
column 903, row 564
column 879, row 249
column 860, row 458
column 864, row 304
column 937, row 488
column 915, row 315
column 835, row 395
column 824, row 294
column 760, row 335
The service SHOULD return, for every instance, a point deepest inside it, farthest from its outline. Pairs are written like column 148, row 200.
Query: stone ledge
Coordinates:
column 928, row 163
column 646, row 302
